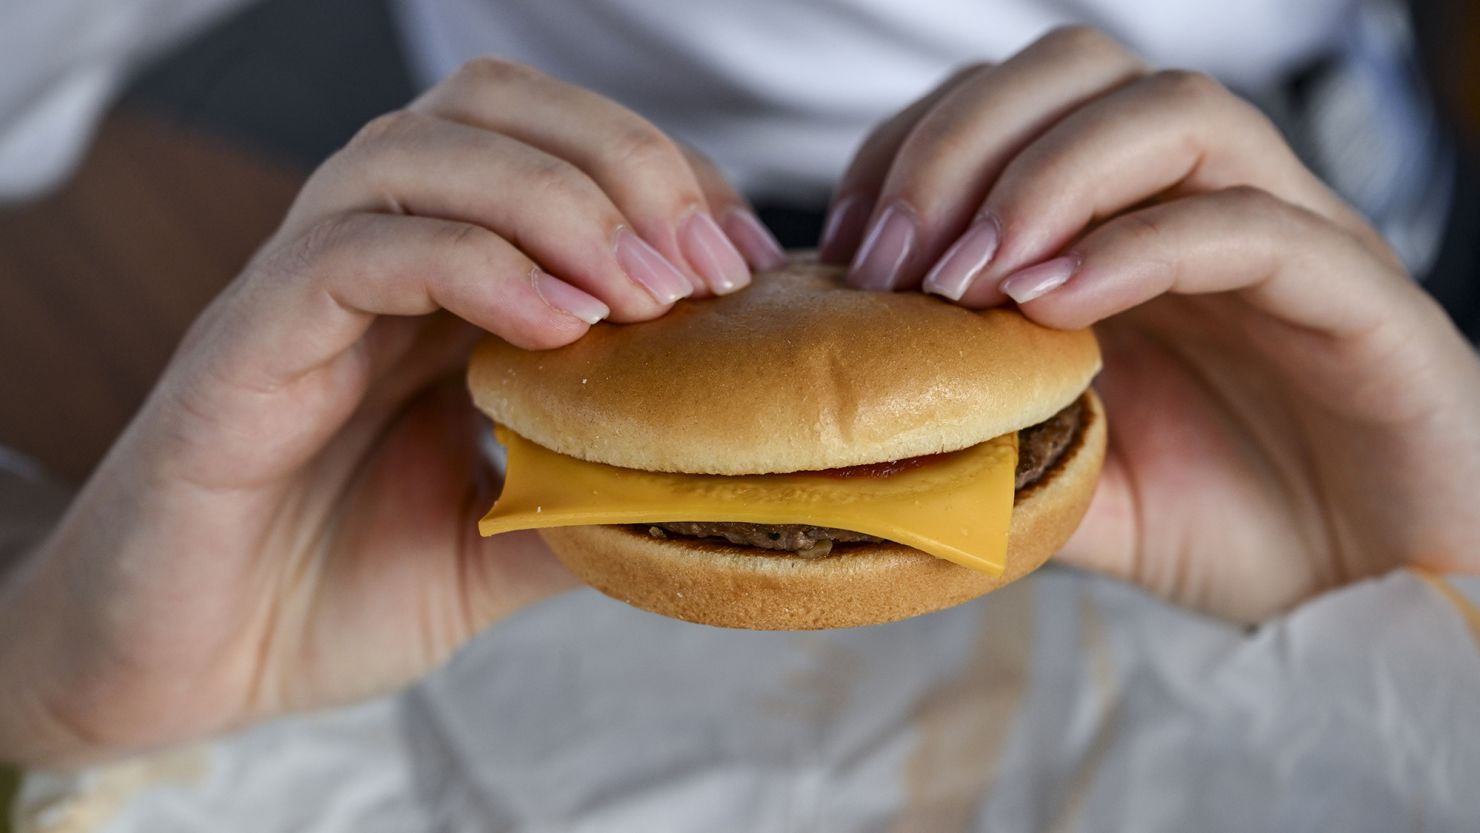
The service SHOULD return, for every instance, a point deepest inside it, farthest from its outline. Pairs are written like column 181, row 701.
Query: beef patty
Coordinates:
column 1039, row 448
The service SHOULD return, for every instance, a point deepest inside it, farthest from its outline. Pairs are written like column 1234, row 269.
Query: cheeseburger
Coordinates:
column 800, row 454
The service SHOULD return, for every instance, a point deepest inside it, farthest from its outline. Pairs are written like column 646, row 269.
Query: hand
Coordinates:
column 1288, row 411
column 289, row 522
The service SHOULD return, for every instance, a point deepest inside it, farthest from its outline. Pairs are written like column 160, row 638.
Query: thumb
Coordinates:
column 503, row 573
column 1106, row 540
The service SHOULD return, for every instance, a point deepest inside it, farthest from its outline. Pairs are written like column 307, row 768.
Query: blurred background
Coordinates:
column 198, row 159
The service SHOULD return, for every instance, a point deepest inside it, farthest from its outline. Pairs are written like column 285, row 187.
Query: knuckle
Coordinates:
column 1143, row 231
column 555, row 180
column 308, row 252
column 1146, row 234
column 968, row 73
column 388, row 127
column 1258, row 208
column 318, row 243
column 1250, row 198
column 490, row 70
column 1187, row 84
column 467, row 243
column 1079, row 38
column 943, row 136
column 644, row 147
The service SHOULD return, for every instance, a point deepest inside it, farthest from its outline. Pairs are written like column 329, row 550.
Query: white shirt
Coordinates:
column 780, row 92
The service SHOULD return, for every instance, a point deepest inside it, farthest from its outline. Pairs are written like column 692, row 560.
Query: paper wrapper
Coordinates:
column 1065, row 702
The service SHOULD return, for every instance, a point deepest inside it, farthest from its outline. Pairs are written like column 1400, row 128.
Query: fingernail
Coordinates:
column 651, row 270
column 844, row 224
column 562, row 297
column 964, row 261
column 883, row 253
column 754, row 240
column 1036, row 281
column 712, row 254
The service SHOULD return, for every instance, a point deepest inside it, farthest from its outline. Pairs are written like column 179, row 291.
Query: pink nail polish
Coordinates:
column 1036, row 281
column 844, row 226
column 562, row 297
column 753, row 239
column 884, row 252
column 712, row 254
column 650, row 270
column 964, row 261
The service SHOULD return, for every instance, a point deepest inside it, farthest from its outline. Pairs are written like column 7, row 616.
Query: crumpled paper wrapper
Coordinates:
column 1065, row 702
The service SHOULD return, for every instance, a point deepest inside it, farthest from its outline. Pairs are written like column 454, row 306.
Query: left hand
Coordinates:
column 1288, row 411
column 289, row 522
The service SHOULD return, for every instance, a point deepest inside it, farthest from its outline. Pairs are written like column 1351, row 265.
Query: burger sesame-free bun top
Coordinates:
column 796, row 372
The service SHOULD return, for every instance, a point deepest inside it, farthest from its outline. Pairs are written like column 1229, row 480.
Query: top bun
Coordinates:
column 797, row 372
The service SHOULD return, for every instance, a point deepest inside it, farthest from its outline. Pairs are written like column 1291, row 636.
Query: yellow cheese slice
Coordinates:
column 957, row 507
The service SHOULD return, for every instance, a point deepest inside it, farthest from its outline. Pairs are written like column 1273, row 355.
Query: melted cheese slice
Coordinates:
column 957, row 507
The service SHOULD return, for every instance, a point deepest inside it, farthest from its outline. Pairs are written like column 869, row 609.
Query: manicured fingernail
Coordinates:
column 964, row 261
column 754, row 240
column 883, row 253
column 1036, row 281
column 844, row 224
column 712, row 254
column 562, row 297
column 651, row 270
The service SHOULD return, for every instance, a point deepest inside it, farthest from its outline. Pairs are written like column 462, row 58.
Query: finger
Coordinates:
column 1106, row 539
column 304, row 305
column 1287, row 262
column 858, row 189
column 417, row 549
column 760, row 248
column 421, row 165
column 640, row 169
column 293, row 329
column 1167, row 134
column 503, row 573
column 1120, row 532
column 950, row 158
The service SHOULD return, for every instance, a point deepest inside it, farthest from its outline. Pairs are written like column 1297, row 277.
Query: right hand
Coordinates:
column 1288, row 411
column 288, row 522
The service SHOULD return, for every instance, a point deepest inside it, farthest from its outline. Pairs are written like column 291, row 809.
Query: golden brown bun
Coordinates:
column 732, row 587
column 795, row 373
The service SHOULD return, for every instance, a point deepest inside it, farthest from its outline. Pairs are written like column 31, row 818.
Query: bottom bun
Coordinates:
column 716, row 583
